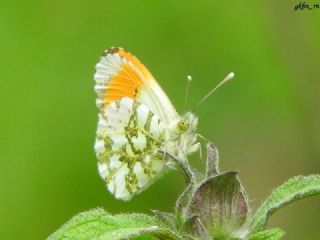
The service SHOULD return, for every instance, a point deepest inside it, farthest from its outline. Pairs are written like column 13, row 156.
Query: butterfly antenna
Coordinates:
column 189, row 79
column 226, row 79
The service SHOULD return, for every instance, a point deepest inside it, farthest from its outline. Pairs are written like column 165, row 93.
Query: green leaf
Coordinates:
column 294, row 189
column 194, row 227
column 270, row 234
column 221, row 204
column 99, row 225
column 169, row 219
column 160, row 234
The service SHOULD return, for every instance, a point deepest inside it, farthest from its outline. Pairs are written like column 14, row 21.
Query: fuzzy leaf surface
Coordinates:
column 99, row 225
column 169, row 219
column 294, row 189
column 194, row 227
column 270, row 234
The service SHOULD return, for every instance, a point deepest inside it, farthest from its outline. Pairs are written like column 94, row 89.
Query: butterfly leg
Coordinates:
column 198, row 147
column 203, row 138
column 200, row 150
column 207, row 141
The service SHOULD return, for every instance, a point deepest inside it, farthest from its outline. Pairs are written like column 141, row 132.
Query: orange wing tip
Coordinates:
column 130, row 58
column 124, row 54
column 116, row 76
column 112, row 50
column 109, row 65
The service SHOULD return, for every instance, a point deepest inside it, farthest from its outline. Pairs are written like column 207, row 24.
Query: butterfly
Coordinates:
column 137, row 125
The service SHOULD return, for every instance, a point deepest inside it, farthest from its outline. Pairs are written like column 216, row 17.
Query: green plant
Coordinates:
column 214, row 205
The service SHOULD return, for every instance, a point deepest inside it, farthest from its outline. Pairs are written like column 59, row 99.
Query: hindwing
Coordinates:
column 129, row 137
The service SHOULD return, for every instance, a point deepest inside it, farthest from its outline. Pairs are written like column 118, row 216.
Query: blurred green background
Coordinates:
column 265, row 122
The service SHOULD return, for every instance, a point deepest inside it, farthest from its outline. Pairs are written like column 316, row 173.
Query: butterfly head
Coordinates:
column 188, row 123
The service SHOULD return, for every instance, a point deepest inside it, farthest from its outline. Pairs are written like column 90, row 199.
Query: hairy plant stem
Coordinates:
column 184, row 167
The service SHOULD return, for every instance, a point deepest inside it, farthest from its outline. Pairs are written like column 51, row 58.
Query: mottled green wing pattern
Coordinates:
column 128, row 138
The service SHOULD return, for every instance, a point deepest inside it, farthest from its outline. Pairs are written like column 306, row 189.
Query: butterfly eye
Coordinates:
column 183, row 125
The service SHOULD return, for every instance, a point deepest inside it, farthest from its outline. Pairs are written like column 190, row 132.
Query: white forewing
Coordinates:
column 120, row 74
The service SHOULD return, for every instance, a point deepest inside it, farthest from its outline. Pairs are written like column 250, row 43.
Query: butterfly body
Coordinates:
column 183, row 136
column 137, row 125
